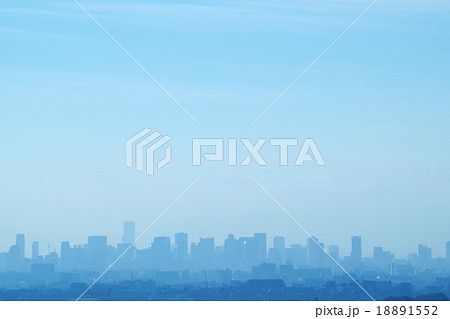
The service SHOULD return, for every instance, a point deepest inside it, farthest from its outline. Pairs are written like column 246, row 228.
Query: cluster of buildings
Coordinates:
column 238, row 259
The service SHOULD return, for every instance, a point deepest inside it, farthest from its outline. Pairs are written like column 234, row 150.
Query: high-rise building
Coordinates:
column 424, row 254
column 34, row 250
column 261, row 242
column 181, row 242
column 382, row 258
column 297, row 255
column 96, row 243
column 203, row 252
column 129, row 255
column 160, row 252
column 66, row 259
column 356, row 253
column 250, row 250
column 206, row 246
column 279, row 243
column 96, row 252
column 20, row 243
column 315, row 251
column 333, row 250
column 129, row 233
column 233, row 252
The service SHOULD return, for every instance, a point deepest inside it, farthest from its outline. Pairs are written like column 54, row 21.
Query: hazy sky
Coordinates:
column 377, row 106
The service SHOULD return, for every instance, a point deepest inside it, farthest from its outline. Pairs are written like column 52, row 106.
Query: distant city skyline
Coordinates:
column 376, row 105
column 354, row 250
column 254, row 263
column 439, row 250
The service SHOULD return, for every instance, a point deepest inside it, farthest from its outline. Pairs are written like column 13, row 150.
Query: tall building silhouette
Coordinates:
column 261, row 242
column 97, row 252
column 232, row 270
column 382, row 258
column 297, row 255
column 181, row 242
column 233, row 252
column 160, row 252
column 20, row 243
column 277, row 254
column 250, row 251
column 315, row 251
column 66, row 255
column 424, row 254
column 129, row 233
column 34, row 250
column 96, row 243
column 333, row 250
column 279, row 243
column 356, row 253
column 203, row 253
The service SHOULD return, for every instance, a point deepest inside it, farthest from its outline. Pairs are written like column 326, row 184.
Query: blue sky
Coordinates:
column 376, row 105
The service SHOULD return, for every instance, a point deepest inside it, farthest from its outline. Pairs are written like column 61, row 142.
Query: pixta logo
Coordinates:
column 308, row 152
column 142, row 151
column 141, row 148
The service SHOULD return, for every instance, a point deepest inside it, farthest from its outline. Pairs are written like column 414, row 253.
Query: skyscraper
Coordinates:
column 315, row 251
column 233, row 252
column 96, row 252
column 96, row 243
column 181, row 241
column 203, row 253
column 34, row 250
column 279, row 243
column 65, row 254
column 250, row 251
column 382, row 258
column 129, row 233
column 333, row 250
column 297, row 255
column 356, row 254
column 207, row 244
column 424, row 254
column 160, row 251
column 261, row 242
column 20, row 243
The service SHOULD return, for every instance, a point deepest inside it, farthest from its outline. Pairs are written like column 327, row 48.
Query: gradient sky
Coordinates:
column 377, row 105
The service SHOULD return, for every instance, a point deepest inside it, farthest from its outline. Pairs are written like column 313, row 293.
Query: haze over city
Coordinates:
column 376, row 106
column 249, row 267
